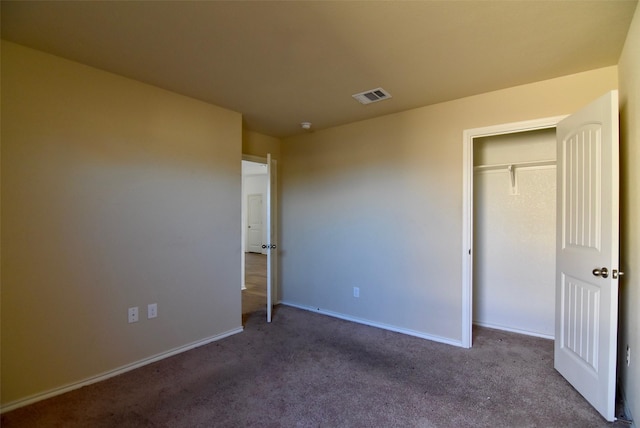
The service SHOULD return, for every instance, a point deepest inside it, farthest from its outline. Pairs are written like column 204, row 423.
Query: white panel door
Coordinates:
column 270, row 245
column 587, row 252
column 254, row 223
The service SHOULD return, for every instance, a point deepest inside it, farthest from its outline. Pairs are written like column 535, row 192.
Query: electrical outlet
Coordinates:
column 152, row 310
column 628, row 355
column 356, row 292
column 133, row 314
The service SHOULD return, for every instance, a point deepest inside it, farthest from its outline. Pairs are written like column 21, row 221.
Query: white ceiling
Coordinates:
column 281, row 63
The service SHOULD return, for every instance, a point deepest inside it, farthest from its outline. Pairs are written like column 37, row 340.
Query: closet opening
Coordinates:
column 514, row 232
column 509, row 222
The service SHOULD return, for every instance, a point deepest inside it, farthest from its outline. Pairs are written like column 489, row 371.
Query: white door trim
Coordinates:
column 270, row 239
column 467, row 206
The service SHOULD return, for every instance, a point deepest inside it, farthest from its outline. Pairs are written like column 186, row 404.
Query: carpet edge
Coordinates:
column 115, row 372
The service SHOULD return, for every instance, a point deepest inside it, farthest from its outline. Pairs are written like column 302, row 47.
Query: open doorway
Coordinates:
column 259, row 234
column 254, row 236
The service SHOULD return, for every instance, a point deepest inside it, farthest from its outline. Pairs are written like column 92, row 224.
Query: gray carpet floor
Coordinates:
column 309, row 370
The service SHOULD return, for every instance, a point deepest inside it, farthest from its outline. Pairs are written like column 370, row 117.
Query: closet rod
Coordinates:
column 514, row 165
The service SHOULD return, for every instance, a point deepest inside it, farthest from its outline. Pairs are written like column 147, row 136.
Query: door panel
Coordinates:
column 587, row 241
column 581, row 303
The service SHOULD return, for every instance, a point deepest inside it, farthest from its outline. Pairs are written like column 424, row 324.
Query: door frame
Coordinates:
column 469, row 135
column 274, row 221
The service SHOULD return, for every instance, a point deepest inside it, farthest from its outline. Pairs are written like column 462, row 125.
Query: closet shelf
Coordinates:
column 514, row 165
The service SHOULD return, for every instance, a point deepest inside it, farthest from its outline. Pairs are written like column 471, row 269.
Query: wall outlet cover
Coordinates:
column 133, row 314
column 152, row 310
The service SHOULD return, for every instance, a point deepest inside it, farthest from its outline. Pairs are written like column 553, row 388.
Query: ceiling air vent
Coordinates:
column 372, row 96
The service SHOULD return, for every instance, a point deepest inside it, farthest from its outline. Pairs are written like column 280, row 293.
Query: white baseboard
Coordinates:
column 115, row 372
column 406, row 331
column 514, row 330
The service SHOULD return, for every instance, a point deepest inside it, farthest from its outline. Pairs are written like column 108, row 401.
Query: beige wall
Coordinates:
column 256, row 144
column 629, row 75
column 378, row 205
column 114, row 194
